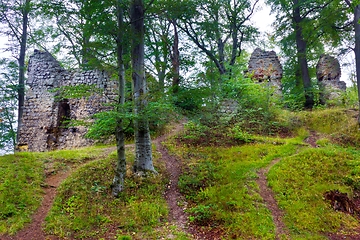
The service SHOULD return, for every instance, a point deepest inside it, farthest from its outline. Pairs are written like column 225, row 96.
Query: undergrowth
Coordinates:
column 84, row 207
column 219, row 180
column 220, row 185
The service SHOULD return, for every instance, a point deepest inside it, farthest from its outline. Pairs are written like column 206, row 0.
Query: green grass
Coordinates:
column 300, row 181
column 220, row 185
column 84, row 206
column 218, row 181
column 21, row 177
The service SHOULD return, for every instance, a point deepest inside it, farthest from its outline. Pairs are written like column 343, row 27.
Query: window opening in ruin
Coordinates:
column 64, row 113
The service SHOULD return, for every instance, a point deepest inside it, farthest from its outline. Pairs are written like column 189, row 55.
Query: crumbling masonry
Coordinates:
column 44, row 118
column 265, row 66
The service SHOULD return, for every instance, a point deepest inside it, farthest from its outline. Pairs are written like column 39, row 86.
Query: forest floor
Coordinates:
column 176, row 202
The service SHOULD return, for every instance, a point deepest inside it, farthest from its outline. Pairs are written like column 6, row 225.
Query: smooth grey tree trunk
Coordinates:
column 143, row 150
column 120, row 171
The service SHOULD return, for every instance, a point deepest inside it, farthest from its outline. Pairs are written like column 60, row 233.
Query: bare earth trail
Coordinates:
column 172, row 195
column 34, row 230
column 268, row 195
column 174, row 198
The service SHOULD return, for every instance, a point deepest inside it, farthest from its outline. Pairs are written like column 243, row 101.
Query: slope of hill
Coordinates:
column 234, row 185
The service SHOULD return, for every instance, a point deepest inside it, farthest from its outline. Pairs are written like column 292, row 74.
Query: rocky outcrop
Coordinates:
column 265, row 66
column 44, row 122
column 328, row 73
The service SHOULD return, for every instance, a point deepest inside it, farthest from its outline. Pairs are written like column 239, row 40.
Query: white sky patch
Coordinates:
column 263, row 19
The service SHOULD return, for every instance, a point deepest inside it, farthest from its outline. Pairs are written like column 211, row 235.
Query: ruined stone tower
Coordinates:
column 328, row 73
column 44, row 118
column 265, row 66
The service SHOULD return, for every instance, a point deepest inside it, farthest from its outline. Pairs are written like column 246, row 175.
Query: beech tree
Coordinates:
column 143, row 150
column 120, row 172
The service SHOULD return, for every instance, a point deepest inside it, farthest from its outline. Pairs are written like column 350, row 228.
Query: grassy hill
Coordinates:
column 307, row 155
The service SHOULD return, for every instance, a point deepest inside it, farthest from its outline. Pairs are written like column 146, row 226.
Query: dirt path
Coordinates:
column 268, row 195
column 312, row 138
column 34, row 230
column 177, row 216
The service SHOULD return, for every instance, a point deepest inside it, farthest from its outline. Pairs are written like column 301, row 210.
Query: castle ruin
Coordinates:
column 265, row 66
column 328, row 73
column 44, row 122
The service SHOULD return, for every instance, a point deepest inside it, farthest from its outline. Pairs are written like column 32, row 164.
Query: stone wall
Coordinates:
column 265, row 66
column 44, row 119
column 328, row 73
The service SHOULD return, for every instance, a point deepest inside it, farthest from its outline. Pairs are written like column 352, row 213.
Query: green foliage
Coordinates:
column 241, row 135
column 8, row 104
column 106, row 122
column 190, row 99
column 325, row 121
column 21, row 177
column 158, row 113
column 258, row 106
column 75, row 92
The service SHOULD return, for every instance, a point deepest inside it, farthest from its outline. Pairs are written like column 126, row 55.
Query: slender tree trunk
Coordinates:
column 357, row 51
column 175, row 59
column 301, row 55
column 21, row 89
column 234, row 49
column 85, row 51
column 120, row 171
column 143, row 155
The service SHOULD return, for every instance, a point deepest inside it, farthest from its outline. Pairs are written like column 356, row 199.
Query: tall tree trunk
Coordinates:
column 120, row 171
column 301, row 55
column 175, row 59
column 21, row 89
column 143, row 155
column 357, row 51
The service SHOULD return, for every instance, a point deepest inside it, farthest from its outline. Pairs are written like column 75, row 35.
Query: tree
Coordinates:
column 215, row 25
column 76, row 23
column 143, row 155
column 157, row 46
column 304, row 28
column 355, row 7
column 8, row 104
column 120, row 172
column 15, row 16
